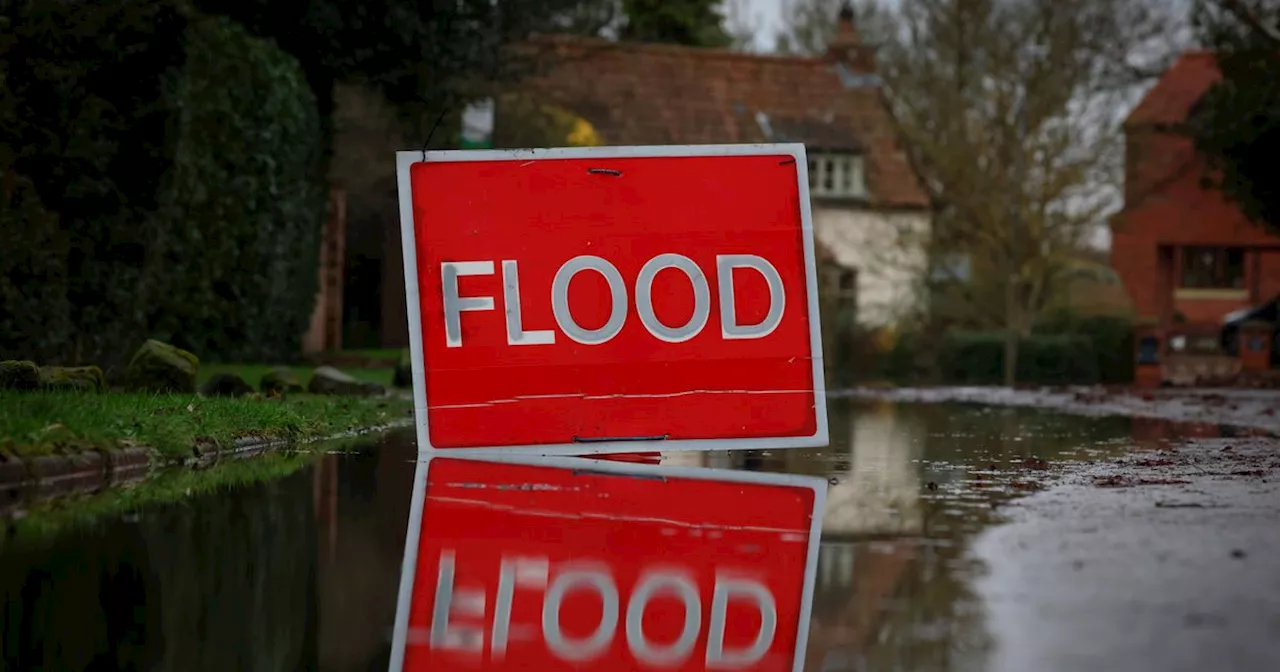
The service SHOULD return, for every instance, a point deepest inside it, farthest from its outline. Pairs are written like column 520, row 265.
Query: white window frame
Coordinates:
column 837, row 175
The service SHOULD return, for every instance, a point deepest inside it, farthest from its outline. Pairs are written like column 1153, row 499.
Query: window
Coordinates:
column 1213, row 268
column 1149, row 350
column 836, row 175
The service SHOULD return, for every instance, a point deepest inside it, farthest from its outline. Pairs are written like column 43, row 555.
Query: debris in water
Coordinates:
column 1119, row 481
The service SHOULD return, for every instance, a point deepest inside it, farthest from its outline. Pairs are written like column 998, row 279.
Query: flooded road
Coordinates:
column 301, row 572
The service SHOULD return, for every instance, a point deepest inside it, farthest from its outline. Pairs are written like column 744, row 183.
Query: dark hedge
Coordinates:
column 1112, row 339
column 243, row 202
column 83, row 130
column 970, row 358
column 162, row 179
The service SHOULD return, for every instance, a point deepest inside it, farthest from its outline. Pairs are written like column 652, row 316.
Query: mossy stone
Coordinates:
column 404, row 370
column 328, row 380
column 279, row 381
column 19, row 375
column 76, row 379
column 225, row 385
column 160, row 367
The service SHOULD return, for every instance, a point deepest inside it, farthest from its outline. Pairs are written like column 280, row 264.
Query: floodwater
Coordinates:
column 301, row 572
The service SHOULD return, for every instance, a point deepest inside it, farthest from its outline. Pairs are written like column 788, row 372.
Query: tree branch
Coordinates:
column 1245, row 14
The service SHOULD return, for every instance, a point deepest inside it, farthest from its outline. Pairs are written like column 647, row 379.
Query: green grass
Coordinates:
column 39, row 423
column 46, row 519
column 252, row 373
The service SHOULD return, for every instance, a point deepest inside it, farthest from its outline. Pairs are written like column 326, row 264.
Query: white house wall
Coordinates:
column 887, row 250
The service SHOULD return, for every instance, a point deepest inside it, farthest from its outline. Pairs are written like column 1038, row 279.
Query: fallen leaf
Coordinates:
column 1034, row 463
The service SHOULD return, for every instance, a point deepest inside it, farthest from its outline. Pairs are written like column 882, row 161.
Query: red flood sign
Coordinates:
column 605, row 566
column 584, row 300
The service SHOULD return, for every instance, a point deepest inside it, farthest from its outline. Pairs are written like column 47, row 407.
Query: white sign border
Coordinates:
column 400, row 631
column 405, row 159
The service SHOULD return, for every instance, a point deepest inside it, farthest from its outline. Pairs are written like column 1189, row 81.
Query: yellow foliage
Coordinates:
column 885, row 338
column 583, row 134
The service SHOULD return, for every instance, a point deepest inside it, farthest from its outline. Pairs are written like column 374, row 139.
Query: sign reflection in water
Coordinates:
column 554, row 564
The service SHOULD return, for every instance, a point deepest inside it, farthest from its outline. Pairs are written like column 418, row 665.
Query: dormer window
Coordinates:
column 836, row 175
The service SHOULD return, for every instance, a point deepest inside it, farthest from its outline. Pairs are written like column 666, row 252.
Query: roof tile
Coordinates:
column 643, row 94
column 1177, row 91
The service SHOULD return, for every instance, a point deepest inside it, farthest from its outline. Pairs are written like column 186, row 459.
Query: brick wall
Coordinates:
column 325, row 332
column 1209, row 310
column 1168, row 207
column 1268, row 274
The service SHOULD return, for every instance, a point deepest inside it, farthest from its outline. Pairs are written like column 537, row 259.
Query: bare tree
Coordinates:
column 742, row 24
column 1010, row 110
column 808, row 25
column 1253, row 15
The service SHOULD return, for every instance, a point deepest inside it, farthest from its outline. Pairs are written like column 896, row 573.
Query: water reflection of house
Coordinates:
column 872, row 459
column 879, row 494
column 870, row 528
column 1189, row 258
column 869, row 533
column 1152, row 433
column 855, row 582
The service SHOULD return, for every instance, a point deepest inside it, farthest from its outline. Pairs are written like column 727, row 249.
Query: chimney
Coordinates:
column 846, row 32
column 847, row 45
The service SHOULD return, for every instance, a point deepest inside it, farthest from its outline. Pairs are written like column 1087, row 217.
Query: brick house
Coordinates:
column 865, row 194
column 1189, row 259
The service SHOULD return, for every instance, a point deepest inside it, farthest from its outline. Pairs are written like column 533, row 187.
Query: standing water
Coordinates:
column 300, row 572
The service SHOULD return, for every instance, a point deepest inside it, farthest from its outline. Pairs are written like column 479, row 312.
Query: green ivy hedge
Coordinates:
column 977, row 358
column 161, row 178
column 244, row 200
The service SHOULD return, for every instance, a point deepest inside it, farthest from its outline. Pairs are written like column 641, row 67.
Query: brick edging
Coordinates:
column 47, row 477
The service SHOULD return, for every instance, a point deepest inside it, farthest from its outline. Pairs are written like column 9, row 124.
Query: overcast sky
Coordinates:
column 767, row 16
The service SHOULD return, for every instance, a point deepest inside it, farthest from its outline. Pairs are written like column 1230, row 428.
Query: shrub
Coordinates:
column 162, row 178
column 243, row 206
column 35, row 313
column 899, row 363
column 977, row 358
column 1112, row 339
column 83, row 126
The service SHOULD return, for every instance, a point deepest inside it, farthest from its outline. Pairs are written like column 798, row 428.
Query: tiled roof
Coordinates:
column 640, row 94
column 1172, row 98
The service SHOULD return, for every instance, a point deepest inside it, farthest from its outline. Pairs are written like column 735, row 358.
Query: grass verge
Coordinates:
column 43, row 423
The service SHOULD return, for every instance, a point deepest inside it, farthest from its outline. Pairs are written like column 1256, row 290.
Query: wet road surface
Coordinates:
column 918, row 569
column 1162, row 561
